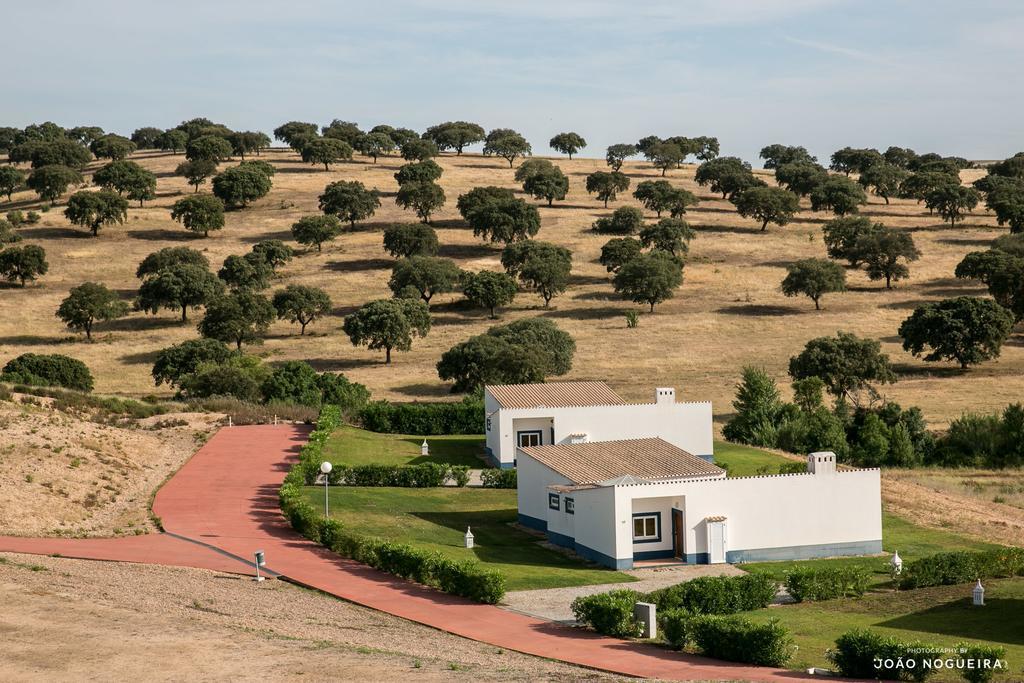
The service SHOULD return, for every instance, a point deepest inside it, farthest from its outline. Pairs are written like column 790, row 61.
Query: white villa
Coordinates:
column 618, row 485
column 526, row 415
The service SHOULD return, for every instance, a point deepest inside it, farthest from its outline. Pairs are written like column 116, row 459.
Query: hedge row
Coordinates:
column 499, row 479
column 865, row 654
column 730, row 637
column 611, row 613
column 407, row 476
column 945, row 569
column 465, row 417
column 466, row 578
column 827, row 583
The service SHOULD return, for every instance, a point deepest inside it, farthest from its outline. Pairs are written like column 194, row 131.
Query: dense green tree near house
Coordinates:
column 89, row 303
column 241, row 317
column 649, row 278
column 964, row 329
column 489, row 290
column 178, row 285
column 429, row 275
column 301, row 304
column 388, row 324
column 846, row 363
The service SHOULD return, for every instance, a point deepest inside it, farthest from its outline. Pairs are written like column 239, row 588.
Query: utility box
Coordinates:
column 647, row 614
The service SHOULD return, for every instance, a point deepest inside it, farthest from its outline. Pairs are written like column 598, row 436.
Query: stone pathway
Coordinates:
column 553, row 603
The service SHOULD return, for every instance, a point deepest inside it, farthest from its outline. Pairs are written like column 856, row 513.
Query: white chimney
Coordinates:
column 579, row 437
column 666, row 395
column 822, row 462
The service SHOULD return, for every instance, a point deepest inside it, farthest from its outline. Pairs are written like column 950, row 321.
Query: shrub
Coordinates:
column 827, row 583
column 983, row 657
column 943, row 569
column 609, row 613
column 459, row 474
column 467, row 578
column 861, row 653
column 465, row 417
column 717, row 594
column 737, row 639
column 673, row 625
column 425, row 475
column 48, row 370
column 499, row 479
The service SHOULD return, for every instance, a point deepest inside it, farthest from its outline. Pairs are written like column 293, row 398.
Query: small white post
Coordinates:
column 897, row 564
column 325, row 468
column 229, row 421
column 275, row 420
column 979, row 594
column 424, row 448
column 647, row 614
column 469, row 538
column 260, row 562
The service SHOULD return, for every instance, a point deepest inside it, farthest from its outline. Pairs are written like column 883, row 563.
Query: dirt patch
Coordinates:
column 221, row 627
column 928, row 502
column 64, row 474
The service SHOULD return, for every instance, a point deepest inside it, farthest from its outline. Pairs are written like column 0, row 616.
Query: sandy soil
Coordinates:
column 927, row 501
column 729, row 311
column 74, row 620
column 64, row 474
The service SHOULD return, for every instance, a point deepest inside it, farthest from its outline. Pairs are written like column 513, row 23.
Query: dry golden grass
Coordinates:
column 729, row 311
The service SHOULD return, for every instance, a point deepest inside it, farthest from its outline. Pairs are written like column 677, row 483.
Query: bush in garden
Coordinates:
column 862, row 653
column 827, row 583
column 983, row 657
column 499, row 479
column 609, row 613
column 464, row 417
column 717, row 594
column 673, row 625
column 943, row 569
column 459, row 474
column 737, row 639
column 48, row 370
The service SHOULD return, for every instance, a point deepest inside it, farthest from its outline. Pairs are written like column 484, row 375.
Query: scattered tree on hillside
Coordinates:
column 776, row 156
column 50, row 182
column 489, row 290
column 606, row 186
column 966, row 329
column 728, row 175
column 507, row 144
column 419, row 149
column 671, row 235
column 801, row 177
column 423, row 197
column 625, row 220
column 618, row 251
column 23, row 264
column 346, row 131
column 113, row 147
column 180, row 285
column 426, row 171
column 767, row 204
column 649, row 278
column 886, row 253
column 301, row 304
column 11, row 179
column 918, row 185
column 175, row 362
column 94, row 210
column 238, row 186
column 170, row 256
column 241, row 317
column 885, row 179
column 540, row 265
column 349, row 200
column 814, row 278
column 1002, row 272
column 659, row 196
column 246, row 272
column 952, row 201
column 505, row 220
column 567, row 143
column 429, row 275
column 545, row 181
column 288, row 132
column 842, row 234
column 616, row 155
column 196, row 172
column 848, row 160
column 315, row 230
column 325, row 151
column 900, row 157
column 208, row 148
column 846, row 364
column 274, row 253
column 388, row 324
column 403, row 240
column 87, row 304
column 478, row 196
column 839, row 195
column 172, row 141
column 199, row 213
column 665, row 156
column 455, row 135
column 375, row 145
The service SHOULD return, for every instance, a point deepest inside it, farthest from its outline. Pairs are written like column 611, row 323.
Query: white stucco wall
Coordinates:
column 532, row 479
column 686, row 425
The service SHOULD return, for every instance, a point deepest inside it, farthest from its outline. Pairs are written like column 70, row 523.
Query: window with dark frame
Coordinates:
column 528, row 439
column 553, row 501
column 570, row 506
column 646, row 528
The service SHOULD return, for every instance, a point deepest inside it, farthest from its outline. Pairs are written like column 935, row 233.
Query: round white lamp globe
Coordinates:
column 325, row 467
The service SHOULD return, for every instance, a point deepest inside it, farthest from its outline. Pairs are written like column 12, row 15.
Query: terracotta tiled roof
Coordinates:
column 555, row 395
column 598, row 461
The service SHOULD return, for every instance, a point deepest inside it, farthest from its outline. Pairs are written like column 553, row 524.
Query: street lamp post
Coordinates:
column 326, row 467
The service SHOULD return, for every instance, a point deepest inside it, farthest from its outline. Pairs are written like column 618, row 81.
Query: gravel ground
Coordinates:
column 553, row 603
column 69, row 619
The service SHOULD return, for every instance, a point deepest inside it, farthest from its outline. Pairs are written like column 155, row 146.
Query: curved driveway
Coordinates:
column 222, row 506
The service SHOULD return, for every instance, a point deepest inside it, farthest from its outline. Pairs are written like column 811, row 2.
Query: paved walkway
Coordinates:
column 224, row 500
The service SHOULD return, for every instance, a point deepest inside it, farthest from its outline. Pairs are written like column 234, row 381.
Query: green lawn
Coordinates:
column 941, row 616
column 436, row 519
column 744, row 461
column 352, row 446
column 898, row 534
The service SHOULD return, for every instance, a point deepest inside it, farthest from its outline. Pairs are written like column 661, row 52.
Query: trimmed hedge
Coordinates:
column 737, row 639
column 827, row 583
column 717, row 594
column 406, row 476
column 48, row 370
column 943, row 569
column 862, row 653
column 499, row 479
column 465, row 417
column 980, row 672
column 609, row 613
column 465, row 578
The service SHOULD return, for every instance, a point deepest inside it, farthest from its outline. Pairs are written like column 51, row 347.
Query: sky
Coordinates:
column 936, row 76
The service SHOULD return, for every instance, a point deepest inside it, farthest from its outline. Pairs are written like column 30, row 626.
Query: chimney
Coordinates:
column 579, row 437
column 666, row 395
column 822, row 462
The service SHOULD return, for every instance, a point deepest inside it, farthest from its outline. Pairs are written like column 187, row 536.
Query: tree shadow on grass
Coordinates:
column 52, row 233
column 944, row 371
column 998, row 621
column 342, row 364
column 283, row 235
column 164, row 235
column 140, row 358
column 597, row 296
column 969, row 242
column 467, row 251
column 761, row 310
column 360, row 265
column 139, row 324
column 424, row 389
column 35, row 340
column 449, row 224
column 595, row 313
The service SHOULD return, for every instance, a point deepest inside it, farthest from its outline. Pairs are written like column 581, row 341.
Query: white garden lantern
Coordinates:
column 424, row 448
column 979, row 594
column 897, row 564
column 260, row 562
column 469, row 538
column 325, row 468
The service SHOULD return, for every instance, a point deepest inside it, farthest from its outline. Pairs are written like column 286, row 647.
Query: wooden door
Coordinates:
column 678, row 535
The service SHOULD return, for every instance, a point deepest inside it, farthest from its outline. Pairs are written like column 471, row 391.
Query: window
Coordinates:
column 647, row 528
column 527, row 439
column 553, row 501
column 570, row 506
column 488, row 423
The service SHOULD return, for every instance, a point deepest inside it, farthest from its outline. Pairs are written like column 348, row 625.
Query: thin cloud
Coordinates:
column 834, row 49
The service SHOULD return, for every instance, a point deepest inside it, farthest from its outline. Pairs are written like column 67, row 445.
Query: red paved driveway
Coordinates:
column 225, row 499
